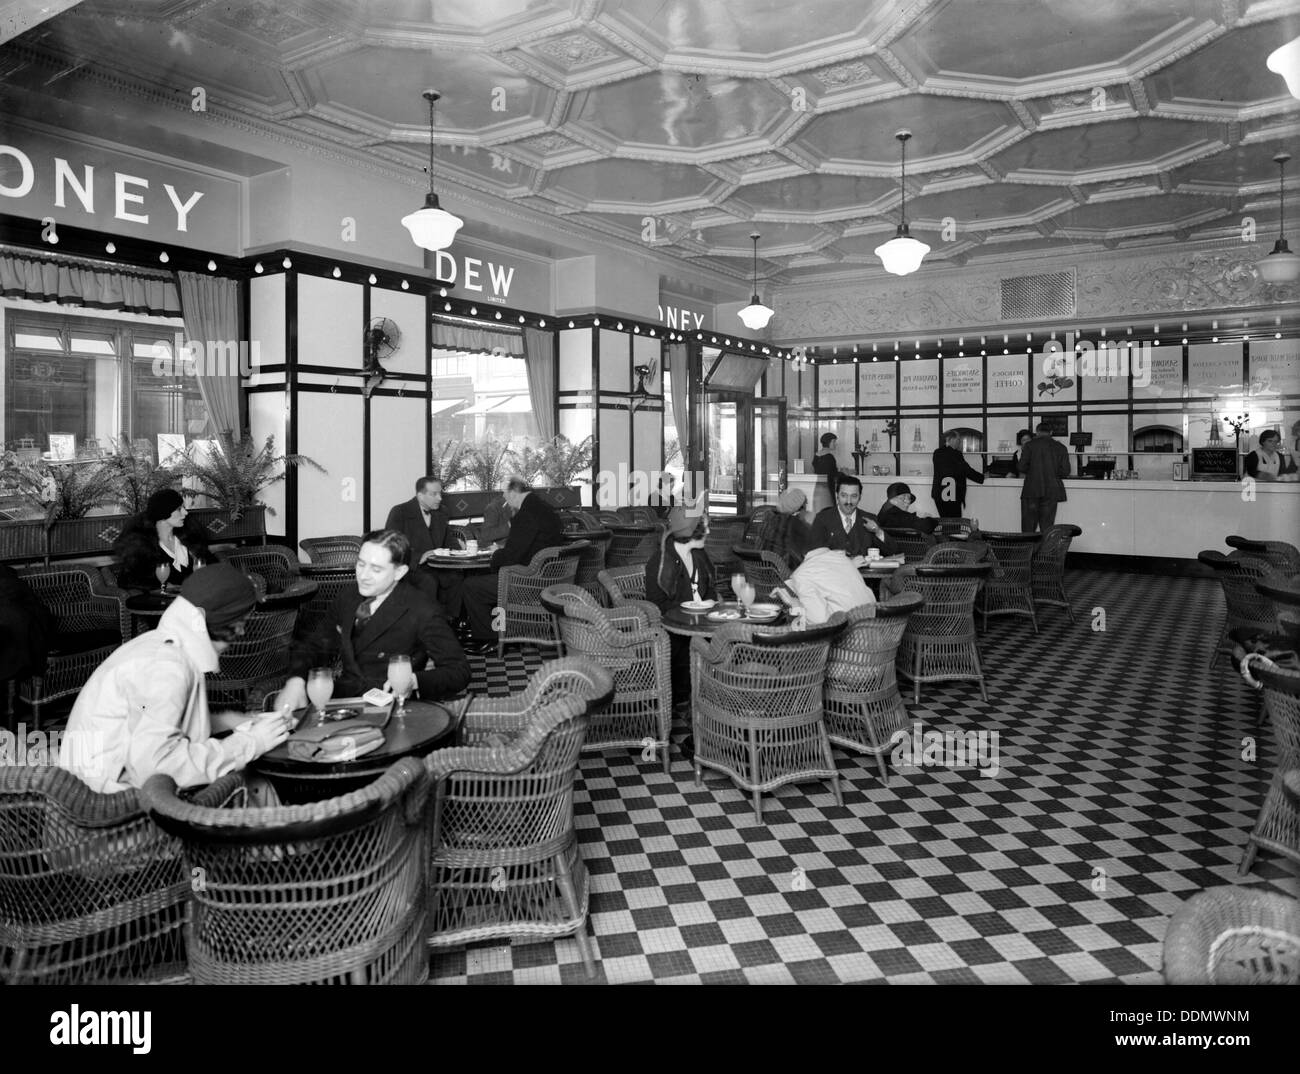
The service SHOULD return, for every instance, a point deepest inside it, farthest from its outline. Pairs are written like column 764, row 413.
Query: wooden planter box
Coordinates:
column 472, row 504
column 222, row 528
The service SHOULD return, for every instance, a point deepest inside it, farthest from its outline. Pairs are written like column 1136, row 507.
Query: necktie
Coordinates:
column 848, row 523
column 364, row 611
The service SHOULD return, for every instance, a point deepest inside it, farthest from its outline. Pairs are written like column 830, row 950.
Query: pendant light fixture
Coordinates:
column 1285, row 61
column 432, row 227
column 755, row 316
column 902, row 254
column 1281, row 265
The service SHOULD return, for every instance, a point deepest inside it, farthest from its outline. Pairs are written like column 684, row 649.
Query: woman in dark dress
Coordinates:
column 824, row 463
column 161, row 535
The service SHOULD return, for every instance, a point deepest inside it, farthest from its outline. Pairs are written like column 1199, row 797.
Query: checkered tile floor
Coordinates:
column 1121, row 793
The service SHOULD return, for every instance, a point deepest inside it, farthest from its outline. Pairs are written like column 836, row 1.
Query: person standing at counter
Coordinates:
column 948, row 490
column 825, row 463
column 1022, row 438
column 1266, row 462
column 1045, row 463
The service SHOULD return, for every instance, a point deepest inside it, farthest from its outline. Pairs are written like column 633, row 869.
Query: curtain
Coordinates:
column 59, row 279
column 210, row 309
column 677, row 359
column 539, row 364
column 465, row 337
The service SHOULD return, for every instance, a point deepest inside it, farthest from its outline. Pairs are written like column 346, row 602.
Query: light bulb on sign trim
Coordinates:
column 447, row 307
column 212, row 266
column 111, row 248
column 287, row 263
column 473, row 311
column 636, row 329
column 541, row 323
column 372, row 279
column 596, row 322
column 521, row 318
column 442, row 292
column 258, row 267
column 405, row 286
column 336, row 273
column 619, row 326
column 498, row 315
column 163, row 257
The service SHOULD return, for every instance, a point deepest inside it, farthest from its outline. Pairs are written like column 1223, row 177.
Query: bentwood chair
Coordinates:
column 327, row 893
column 1047, row 569
column 339, row 551
column 522, row 617
column 622, row 584
column 89, row 627
column 939, row 642
column 91, row 891
column 1009, row 588
column 912, row 543
column 1279, row 555
column 1234, row 936
column 504, row 860
column 1247, row 610
column 273, row 562
column 763, row 570
column 756, row 696
column 1278, row 826
column 631, row 644
column 863, row 705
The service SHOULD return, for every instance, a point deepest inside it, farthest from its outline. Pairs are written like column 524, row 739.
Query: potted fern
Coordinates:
column 490, row 465
column 54, row 500
column 450, row 462
column 565, row 465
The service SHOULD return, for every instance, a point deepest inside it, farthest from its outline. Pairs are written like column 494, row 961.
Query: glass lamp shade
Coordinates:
column 432, row 227
column 902, row 254
column 1285, row 61
column 755, row 315
column 1281, row 265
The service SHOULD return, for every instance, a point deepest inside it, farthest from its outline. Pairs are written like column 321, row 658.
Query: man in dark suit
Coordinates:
column 382, row 616
column 1044, row 462
column 422, row 521
column 948, row 489
column 847, row 529
column 536, row 525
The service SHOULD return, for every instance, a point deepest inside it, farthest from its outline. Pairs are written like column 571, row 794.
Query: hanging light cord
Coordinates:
column 903, row 144
column 755, row 240
column 433, row 97
column 1281, row 159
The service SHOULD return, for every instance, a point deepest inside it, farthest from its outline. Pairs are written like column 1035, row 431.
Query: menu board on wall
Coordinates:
column 919, row 382
column 1275, row 367
column 963, row 381
column 877, row 384
column 836, row 385
column 1161, row 373
column 1008, row 378
column 1214, row 368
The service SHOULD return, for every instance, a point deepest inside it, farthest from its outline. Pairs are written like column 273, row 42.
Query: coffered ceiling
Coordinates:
column 1040, row 126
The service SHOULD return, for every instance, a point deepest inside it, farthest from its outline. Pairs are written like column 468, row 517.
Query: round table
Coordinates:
column 677, row 620
column 426, row 726
column 147, row 608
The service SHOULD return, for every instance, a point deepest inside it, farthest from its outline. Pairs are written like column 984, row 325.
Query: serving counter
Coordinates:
column 1175, row 519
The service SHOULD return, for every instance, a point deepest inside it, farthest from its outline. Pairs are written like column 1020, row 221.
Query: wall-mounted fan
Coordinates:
column 644, row 374
column 382, row 338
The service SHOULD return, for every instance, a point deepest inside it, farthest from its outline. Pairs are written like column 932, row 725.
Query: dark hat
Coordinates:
column 224, row 593
column 682, row 525
column 897, row 489
column 163, row 504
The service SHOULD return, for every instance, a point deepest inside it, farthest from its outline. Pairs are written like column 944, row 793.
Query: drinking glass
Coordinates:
column 162, row 572
column 402, row 679
column 320, row 688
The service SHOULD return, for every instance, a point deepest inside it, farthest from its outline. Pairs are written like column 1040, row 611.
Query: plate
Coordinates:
column 726, row 615
column 698, row 605
column 763, row 611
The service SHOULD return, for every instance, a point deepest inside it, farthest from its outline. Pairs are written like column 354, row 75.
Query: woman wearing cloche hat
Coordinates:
column 162, row 534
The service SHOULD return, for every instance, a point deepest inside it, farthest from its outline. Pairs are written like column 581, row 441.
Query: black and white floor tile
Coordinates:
column 1121, row 792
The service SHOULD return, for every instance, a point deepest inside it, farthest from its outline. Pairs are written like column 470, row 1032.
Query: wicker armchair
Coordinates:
column 1285, row 595
column 639, row 516
column 939, row 642
column 1009, row 588
column 1234, row 936
column 89, row 619
column 946, row 527
column 763, row 570
column 610, row 518
column 1047, row 569
column 630, row 545
column 109, row 587
column 259, row 660
column 519, row 590
column 1279, row 555
column 754, row 525
column 503, row 851
column 622, row 584
column 327, row 893
column 912, row 543
column 630, row 643
column 724, row 535
column 91, row 891
column 330, row 582
column 1278, row 826
column 953, row 553
column 332, row 551
column 863, row 706
column 1247, row 610
column 273, row 562
column 592, row 561
column 756, row 695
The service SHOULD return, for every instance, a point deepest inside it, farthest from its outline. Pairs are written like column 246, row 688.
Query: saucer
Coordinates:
column 698, row 605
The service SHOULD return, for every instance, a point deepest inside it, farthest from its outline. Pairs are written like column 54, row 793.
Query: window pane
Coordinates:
column 481, row 397
column 37, row 340
column 86, row 344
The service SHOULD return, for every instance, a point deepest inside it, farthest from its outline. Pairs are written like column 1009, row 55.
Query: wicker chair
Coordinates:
column 610, row 518
column 1047, row 568
column 330, row 582
column 953, row 553
column 1247, row 610
column 631, row 545
column 109, row 587
column 912, row 543
column 724, row 535
column 273, row 562
column 631, row 643
column 622, row 584
column 1279, row 555
column 332, row 551
column 91, row 891
column 939, row 642
column 259, row 660
column 1285, row 596
column 1278, row 826
column 89, row 622
column 863, row 706
column 756, row 695
column 763, row 570
column 754, row 526
column 592, row 561
column 946, row 527
column 1009, row 589
column 327, row 893
column 503, row 851
column 519, row 590
column 1234, row 936
column 638, row 516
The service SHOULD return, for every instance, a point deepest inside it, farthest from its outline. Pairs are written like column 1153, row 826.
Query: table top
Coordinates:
column 152, row 602
column 425, row 724
column 677, row 620
column 481, row 561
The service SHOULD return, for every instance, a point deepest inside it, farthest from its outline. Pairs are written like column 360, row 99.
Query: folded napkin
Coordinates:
column 345, row 740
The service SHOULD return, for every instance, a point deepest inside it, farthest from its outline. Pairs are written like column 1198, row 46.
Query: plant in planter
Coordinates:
column 58, row 490
column 137, row 476
column 530, row 463
column 566, row 461
column 450, row 462
column 234, row 476
column 490, row 465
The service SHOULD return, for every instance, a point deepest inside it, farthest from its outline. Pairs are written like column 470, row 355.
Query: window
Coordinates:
column 93, row 379
column 481, row 397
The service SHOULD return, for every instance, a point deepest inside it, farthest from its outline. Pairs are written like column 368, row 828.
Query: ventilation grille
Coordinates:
column 1031, row 297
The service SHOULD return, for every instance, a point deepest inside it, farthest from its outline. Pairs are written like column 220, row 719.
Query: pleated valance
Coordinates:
column 476, row 339
column 64, row 280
